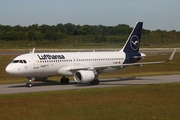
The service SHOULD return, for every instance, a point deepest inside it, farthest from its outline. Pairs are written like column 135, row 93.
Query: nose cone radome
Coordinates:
column 9, row 69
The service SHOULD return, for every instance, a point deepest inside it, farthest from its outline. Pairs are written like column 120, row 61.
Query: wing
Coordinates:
column 119, row 66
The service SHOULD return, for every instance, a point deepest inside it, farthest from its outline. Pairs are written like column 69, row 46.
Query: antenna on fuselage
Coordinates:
column 33, row 50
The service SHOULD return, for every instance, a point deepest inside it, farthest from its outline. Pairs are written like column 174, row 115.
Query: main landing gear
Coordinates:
column 64, row 80
column 95, row 82
column 30, row 79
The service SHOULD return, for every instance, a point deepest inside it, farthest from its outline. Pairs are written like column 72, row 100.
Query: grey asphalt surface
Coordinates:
column 39, row 86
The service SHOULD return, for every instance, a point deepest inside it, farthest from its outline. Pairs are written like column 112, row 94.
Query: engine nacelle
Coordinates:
column 84, row 76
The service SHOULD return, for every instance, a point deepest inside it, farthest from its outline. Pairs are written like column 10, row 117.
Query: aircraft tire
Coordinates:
column 28, row 84
column 65, row 80
column 95, row 82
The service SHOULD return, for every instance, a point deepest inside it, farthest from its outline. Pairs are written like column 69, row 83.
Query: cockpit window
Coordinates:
column 19, row 61
column 15, row 61
column 24, row 61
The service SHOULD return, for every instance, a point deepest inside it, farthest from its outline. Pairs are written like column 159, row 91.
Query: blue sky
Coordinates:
column 156, row 14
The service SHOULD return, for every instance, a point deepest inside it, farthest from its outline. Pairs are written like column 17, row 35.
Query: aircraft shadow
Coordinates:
column 116, row 81
column 110, row 81
column 42, row 83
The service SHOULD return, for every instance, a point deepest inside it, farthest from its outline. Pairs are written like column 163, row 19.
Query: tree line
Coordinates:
column 77, row 34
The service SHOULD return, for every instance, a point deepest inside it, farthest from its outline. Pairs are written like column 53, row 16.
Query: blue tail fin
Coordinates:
column 133, row 41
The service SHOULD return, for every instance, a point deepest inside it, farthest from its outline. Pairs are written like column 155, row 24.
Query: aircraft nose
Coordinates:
column 9, row 69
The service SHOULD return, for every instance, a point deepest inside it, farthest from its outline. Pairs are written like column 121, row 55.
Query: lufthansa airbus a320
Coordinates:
column 84, row 66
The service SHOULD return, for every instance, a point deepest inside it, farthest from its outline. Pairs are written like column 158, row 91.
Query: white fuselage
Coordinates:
column 50, row 64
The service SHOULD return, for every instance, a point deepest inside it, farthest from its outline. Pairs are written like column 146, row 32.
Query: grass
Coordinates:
column 128, row 102
column 68, row 44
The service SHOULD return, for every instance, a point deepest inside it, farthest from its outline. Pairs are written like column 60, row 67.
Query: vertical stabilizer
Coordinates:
column 133, row 41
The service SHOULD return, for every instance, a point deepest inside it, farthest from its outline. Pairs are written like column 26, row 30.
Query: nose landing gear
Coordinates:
column 29, row 83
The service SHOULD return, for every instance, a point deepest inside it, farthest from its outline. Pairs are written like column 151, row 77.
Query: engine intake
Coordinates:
column 84, row 76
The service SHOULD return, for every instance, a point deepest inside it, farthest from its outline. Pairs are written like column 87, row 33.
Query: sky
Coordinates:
column 156, row 14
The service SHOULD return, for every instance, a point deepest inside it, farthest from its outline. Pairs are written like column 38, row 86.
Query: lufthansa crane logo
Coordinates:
column 134, row 42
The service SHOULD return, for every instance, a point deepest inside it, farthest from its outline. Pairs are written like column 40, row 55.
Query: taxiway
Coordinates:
column 39, row 86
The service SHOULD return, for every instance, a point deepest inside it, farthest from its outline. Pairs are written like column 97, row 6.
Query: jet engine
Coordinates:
column 84, row 76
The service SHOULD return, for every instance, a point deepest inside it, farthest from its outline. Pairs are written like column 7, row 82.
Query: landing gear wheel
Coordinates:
column 95, row 82
column 64, row 80
column 30, row 79
column 28, row 84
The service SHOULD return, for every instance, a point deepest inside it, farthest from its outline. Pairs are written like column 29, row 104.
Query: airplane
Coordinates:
column 84, row 66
